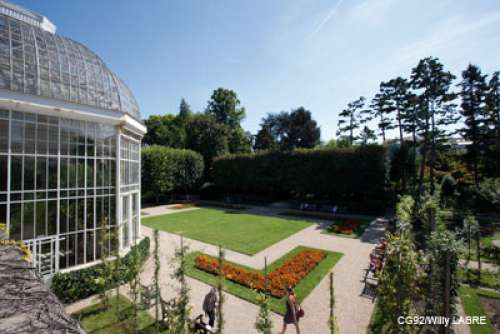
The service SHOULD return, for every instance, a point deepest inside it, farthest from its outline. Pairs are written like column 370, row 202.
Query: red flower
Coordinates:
column 291, row 272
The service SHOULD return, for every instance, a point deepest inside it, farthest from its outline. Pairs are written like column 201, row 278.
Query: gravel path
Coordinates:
column 353, row 310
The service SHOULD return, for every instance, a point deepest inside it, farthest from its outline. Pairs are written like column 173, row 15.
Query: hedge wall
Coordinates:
column 78, row 284
column 166, row 170
column 331, row 174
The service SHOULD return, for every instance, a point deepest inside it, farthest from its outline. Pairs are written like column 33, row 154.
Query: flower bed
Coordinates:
column 291, row 272
column 183, row 206
column 346, row 226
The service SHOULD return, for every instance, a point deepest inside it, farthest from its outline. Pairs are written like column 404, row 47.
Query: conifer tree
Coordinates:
column 381, row 109
column 350, row 119
column 436, row 112
column 473, row 110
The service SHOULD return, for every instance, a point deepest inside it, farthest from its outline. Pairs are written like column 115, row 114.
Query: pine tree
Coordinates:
column 492, row 157
column 366, row 136
column 381, row 109
column 350, row 119
column 397, row 91
column 475, row 117
column 436, row 112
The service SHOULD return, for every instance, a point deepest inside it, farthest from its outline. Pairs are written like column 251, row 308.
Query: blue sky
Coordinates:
column 278, row 54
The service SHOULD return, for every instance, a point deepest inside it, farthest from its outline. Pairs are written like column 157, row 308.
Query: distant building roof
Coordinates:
column 26, row 303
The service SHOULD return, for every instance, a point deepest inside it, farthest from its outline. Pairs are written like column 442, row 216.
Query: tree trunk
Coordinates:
column 433, row 154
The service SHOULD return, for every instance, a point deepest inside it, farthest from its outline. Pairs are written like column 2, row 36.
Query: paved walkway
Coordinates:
column 488, row 266
column 353, row 310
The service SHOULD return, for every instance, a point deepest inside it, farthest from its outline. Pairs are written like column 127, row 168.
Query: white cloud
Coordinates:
column 451, row 30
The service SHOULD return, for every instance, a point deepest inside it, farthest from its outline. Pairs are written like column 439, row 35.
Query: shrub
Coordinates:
column 166, row 170
column 291, row 272
column 334, row 174
column 78, row 284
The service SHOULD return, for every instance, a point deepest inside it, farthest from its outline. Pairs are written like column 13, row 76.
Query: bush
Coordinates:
column 334, row 174
column 78, row 284
column 166, row 170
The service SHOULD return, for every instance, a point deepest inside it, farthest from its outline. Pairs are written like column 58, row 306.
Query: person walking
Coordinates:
column 209, row 304
column 293, row 311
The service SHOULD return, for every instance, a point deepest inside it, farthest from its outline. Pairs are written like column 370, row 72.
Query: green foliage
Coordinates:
column 156, row 279
column 264, row 324
column 180, row 316
column 475, row 117
column 324, row 173
column 264, row 140
column 398, row 290
column 165, row 130
column 166, row 169
column 288, row 130
column 78, row 284
column 489, row 190
column 442, row 254
column 224, row 106
column 207, row 137
column 350, row 119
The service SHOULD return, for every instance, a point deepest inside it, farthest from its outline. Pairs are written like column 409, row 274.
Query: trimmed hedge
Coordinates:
column 78, row 284
column 334, row 174
column 166, row 170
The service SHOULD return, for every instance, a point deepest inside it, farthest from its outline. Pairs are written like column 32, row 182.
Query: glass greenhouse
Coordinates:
column 70, row 135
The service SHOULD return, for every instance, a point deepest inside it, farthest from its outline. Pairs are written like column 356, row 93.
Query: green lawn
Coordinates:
column 96, row 320
column 473, row 307
column 235, row 230
column 277, row 305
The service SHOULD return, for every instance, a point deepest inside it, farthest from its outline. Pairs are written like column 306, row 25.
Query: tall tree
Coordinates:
column 397, row 91
column 433, row 82
column 303, row 131
column 207, row 137
column 184, row 110
column 288, row 131
column 350, row 119
column 493, row 111
column 381, row 109
column 473, row 93
column 264, row 140
column 366, row 136
column 224, row 105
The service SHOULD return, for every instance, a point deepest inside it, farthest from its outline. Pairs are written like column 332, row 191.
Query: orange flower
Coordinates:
column 291, row 272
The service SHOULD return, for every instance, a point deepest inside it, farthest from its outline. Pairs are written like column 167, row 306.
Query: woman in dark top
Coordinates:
column 291, row 315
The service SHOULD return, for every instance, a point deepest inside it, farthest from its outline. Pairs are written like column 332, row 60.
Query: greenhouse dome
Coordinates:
column 70, row 136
